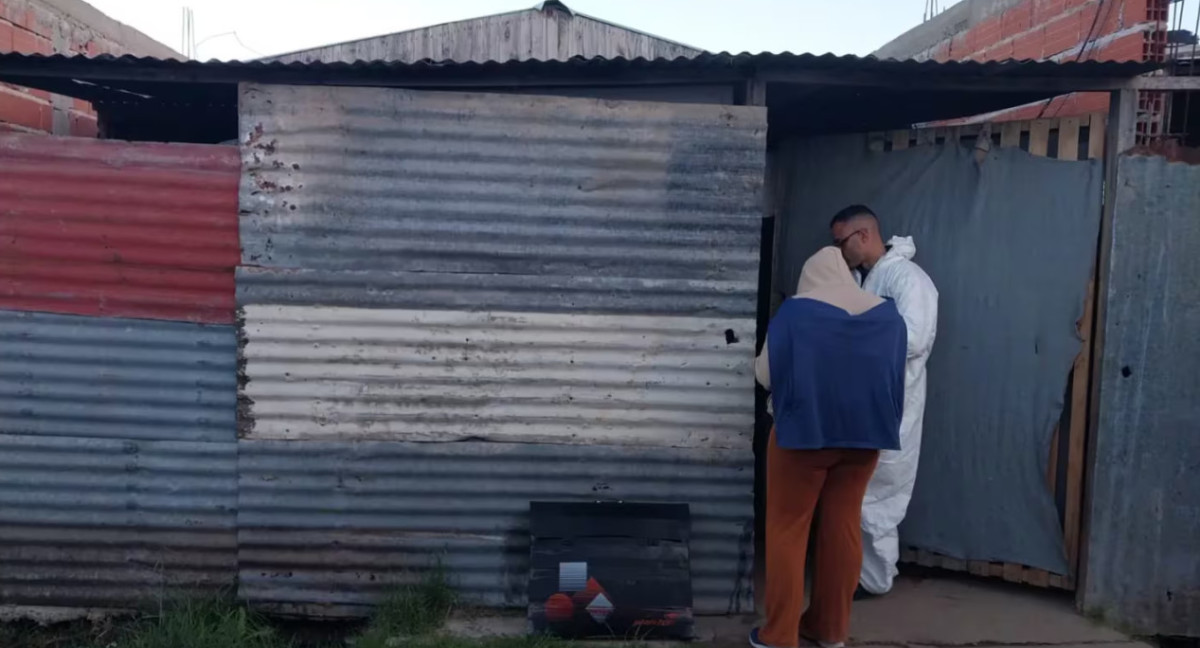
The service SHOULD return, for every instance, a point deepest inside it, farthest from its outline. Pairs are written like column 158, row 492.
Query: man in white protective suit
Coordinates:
column 888, row 271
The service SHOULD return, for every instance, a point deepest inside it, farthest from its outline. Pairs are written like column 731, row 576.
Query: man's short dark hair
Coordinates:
column 850, row 213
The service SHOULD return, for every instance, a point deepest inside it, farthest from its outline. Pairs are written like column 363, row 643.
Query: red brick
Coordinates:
column 1136, row 11
column 15, row 11
column 1028, row 46
column 1126, row 48
column 33, row 92
column 26, row 42
column 24, row 110
column 986, row 34
column 1047, row 10
column 83, row 125
column 6, row 36
column 1000, row 52
column 958, row 47
column 1016, row 21
column 1063, row 34
column 941, row 52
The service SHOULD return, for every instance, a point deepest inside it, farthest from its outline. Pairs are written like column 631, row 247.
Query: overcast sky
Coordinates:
column 275, row 26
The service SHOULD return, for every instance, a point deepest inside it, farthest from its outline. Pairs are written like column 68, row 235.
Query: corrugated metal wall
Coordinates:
column 117, row 229
column 118, row 451
column 118, row 378
column 114, row 522
column 326, row 528
column 444, row 267
column 351, row 373
column 1143, row 552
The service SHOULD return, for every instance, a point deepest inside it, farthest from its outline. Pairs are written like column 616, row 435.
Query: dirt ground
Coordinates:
column 921, row 612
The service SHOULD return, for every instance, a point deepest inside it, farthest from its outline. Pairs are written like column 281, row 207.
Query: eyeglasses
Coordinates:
column 840, row 243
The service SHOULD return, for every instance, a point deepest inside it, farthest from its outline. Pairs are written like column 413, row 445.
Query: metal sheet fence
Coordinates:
column 67, row 375
column 328, row 528
column 1143, row 567
column 118, row 229
column 114, row 523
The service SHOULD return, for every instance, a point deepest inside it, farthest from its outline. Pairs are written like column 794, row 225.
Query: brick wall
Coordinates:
column 60, row 27
column 1116, row 30
column 1060, row 30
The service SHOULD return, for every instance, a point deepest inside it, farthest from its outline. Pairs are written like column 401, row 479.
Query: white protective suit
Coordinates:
column 888, row 494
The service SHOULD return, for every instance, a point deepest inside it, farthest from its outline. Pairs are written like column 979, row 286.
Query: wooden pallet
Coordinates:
column 1067, row 138
column 1010, row 572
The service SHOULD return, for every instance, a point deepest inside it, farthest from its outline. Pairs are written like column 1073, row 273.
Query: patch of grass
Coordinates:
column 73, row 634
column 203, row 623
column 410, row 612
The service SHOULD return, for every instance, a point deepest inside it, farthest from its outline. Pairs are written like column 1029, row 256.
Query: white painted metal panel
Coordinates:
column 356, row 373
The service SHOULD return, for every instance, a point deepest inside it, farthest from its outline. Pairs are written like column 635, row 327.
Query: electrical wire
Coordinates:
column 1091, row 37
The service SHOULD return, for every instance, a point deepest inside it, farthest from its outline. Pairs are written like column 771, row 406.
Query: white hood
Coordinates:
column 903, row 247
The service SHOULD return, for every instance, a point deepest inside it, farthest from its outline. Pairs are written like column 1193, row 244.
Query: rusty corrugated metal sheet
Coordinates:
column 118, row 229
column 447, row 268
column 328, row 528
column 114, row 523
column 499, row 202
column 353, row 373
column 1143, row 554
column 75, row 376
column 636, row 222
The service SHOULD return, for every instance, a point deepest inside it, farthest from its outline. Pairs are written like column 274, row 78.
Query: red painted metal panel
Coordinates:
column 117, row 228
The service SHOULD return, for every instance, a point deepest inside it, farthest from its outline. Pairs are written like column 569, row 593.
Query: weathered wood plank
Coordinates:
column 1077, row 434
column 1010, row 134
column 1068, row 138
column 1039, row 137
column 1037, row 577
column 1013, row 573
column 1097, row 131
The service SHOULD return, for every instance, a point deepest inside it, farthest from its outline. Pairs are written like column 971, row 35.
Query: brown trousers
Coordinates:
column 801, row 483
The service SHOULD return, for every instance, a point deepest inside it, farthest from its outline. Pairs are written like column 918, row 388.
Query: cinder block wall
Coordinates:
column 61, row 27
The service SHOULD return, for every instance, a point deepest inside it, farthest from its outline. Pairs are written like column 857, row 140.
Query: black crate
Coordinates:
column 610, row 569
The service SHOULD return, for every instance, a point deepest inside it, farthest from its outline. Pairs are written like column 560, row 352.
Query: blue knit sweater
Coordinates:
column 837, row 380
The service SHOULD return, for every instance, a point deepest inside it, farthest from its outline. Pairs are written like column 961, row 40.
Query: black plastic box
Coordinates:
column 610, row 569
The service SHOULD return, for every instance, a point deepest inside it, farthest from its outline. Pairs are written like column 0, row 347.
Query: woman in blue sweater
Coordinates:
column 834, row 363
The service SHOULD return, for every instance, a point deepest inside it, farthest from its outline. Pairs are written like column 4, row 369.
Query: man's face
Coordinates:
column 849, row 237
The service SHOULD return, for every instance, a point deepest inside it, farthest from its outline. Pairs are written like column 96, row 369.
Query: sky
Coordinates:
column 245, row 29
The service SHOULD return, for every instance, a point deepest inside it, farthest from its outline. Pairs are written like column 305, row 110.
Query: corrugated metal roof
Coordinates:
column 114, row 522
column 808, row 93
column 72, row 376
column 118, row 229
column 333, row 373
column 328, row 528
column 745, row 61
column 1143, row 561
